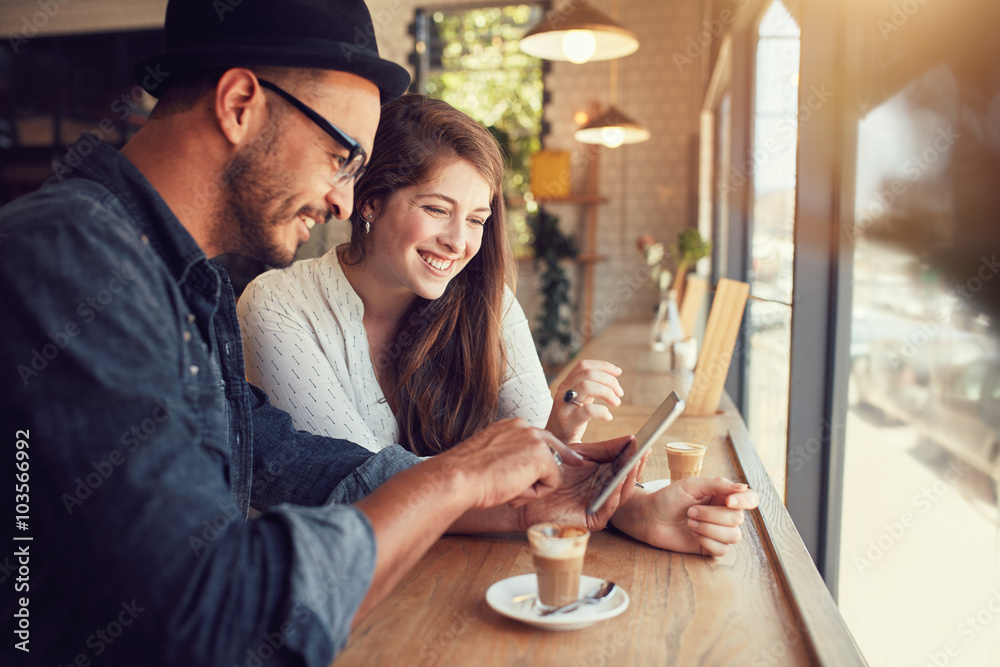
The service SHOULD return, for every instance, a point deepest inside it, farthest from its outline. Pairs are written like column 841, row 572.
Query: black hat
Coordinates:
column 321, row 34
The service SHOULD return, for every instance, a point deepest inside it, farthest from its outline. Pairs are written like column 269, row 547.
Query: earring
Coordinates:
column 368, row 222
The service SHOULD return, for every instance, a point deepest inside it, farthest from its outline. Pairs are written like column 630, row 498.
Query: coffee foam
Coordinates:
column 685, row 448
column 551, row 540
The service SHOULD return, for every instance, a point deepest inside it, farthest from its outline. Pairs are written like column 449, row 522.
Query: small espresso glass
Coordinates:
column 684, row 459
column 558, row 552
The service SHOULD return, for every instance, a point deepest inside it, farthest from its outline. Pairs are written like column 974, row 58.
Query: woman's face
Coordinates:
column 425, row 234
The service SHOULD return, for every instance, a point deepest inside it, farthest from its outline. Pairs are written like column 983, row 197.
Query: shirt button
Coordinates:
column 144, row 239
column 187, row 336
column 193, row 369
column 189, row 318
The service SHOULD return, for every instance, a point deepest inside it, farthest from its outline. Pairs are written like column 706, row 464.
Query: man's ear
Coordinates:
column 240, row 105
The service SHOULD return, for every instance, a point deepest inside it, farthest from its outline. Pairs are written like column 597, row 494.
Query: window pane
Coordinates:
column 470, row 59
column 771, row 243
column 918, row 563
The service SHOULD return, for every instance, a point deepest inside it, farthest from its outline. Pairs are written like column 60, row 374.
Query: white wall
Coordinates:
column 27, row 18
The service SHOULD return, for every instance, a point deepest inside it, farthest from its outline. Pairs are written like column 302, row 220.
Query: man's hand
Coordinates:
column 582, row 479
column 507, row 461
column 698, row 515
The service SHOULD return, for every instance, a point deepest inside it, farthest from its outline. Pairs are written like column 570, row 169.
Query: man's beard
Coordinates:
column 245, row 227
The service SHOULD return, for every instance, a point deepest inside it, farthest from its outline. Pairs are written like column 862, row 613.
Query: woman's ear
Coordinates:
column 371, row 208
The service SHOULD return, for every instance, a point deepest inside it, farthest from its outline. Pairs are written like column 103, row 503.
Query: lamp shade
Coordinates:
column 578, row 33
column 612, row 129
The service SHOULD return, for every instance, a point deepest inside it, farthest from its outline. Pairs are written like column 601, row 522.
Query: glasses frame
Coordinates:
column 354, row 165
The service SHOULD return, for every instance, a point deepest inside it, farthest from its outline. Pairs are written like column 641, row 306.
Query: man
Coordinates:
column 139, row 446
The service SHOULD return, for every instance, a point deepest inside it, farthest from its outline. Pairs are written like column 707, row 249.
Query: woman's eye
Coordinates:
column 435, row 210
column 477, row 221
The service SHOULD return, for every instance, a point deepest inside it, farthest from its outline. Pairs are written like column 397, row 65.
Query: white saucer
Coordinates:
column 655, row 484
column 500, row 596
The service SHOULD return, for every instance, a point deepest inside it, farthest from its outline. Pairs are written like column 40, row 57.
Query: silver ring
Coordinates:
column 570, row 397
column 556, row 456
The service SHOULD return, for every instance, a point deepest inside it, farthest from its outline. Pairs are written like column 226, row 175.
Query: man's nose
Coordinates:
column 341, row 200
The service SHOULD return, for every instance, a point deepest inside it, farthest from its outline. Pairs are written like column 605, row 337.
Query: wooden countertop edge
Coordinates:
column 820, row 624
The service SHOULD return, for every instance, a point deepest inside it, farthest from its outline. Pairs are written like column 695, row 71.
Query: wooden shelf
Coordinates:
column 588, row 200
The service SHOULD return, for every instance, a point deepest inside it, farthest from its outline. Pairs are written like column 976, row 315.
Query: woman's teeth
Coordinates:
column 439, row 264
column 309, row 222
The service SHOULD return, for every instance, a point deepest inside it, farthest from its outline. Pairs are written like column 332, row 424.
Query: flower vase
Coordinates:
column 667, row 324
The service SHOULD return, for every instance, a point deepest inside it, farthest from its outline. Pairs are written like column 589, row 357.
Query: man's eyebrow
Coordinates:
column 450, row 200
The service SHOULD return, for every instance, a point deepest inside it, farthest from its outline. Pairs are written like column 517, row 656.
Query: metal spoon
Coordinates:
column 598, row 593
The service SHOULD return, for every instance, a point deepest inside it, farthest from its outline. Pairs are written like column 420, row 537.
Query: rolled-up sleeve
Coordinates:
column 291, row 466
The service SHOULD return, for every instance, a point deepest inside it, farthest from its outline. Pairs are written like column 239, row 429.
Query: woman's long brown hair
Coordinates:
column 446, row 364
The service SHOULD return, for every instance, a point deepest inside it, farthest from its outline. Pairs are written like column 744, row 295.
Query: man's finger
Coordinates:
column 549, row 479
column 565, row 452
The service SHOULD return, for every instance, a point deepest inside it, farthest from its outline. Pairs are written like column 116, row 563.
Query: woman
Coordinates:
column 410, row 333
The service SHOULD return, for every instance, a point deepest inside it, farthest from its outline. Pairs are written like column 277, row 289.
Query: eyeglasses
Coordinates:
column 349, row 168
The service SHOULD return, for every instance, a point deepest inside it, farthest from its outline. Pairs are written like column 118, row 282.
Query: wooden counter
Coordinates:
column 764, row 603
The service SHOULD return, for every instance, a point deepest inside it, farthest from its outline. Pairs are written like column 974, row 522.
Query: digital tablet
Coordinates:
column 669, row 410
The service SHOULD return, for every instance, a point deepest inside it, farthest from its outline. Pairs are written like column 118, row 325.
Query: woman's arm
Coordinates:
column 524, row 392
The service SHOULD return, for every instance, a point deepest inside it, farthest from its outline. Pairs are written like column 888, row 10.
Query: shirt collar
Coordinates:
column 147, row 209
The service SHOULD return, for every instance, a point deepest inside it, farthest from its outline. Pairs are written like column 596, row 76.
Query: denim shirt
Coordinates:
column 145, row 446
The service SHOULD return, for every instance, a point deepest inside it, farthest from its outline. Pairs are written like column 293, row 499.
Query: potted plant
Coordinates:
column 553, row 337
column 688, row 249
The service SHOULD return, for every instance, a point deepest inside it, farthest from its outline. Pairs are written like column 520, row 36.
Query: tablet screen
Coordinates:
column 669, row 410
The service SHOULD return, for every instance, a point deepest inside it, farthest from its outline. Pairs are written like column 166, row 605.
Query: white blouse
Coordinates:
column 305, row 345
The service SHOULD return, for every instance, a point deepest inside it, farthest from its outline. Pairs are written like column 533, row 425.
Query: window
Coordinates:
column 470, row 59
column 769, row 313
column 919, row 533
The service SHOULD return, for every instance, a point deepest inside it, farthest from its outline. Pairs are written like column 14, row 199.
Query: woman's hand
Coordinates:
column 584, row 474
column 697, row 515
column 590, row 380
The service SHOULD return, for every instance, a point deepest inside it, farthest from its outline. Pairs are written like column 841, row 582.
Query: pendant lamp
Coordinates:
column 578, row 33
column 613, row 127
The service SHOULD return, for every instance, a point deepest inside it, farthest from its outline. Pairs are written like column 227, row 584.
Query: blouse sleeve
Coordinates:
column 524, row 392
column 285, row 358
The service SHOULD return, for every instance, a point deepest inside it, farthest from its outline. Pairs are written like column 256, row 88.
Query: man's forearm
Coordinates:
column 501, row 519
column 508, row 461
column 408, row 514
